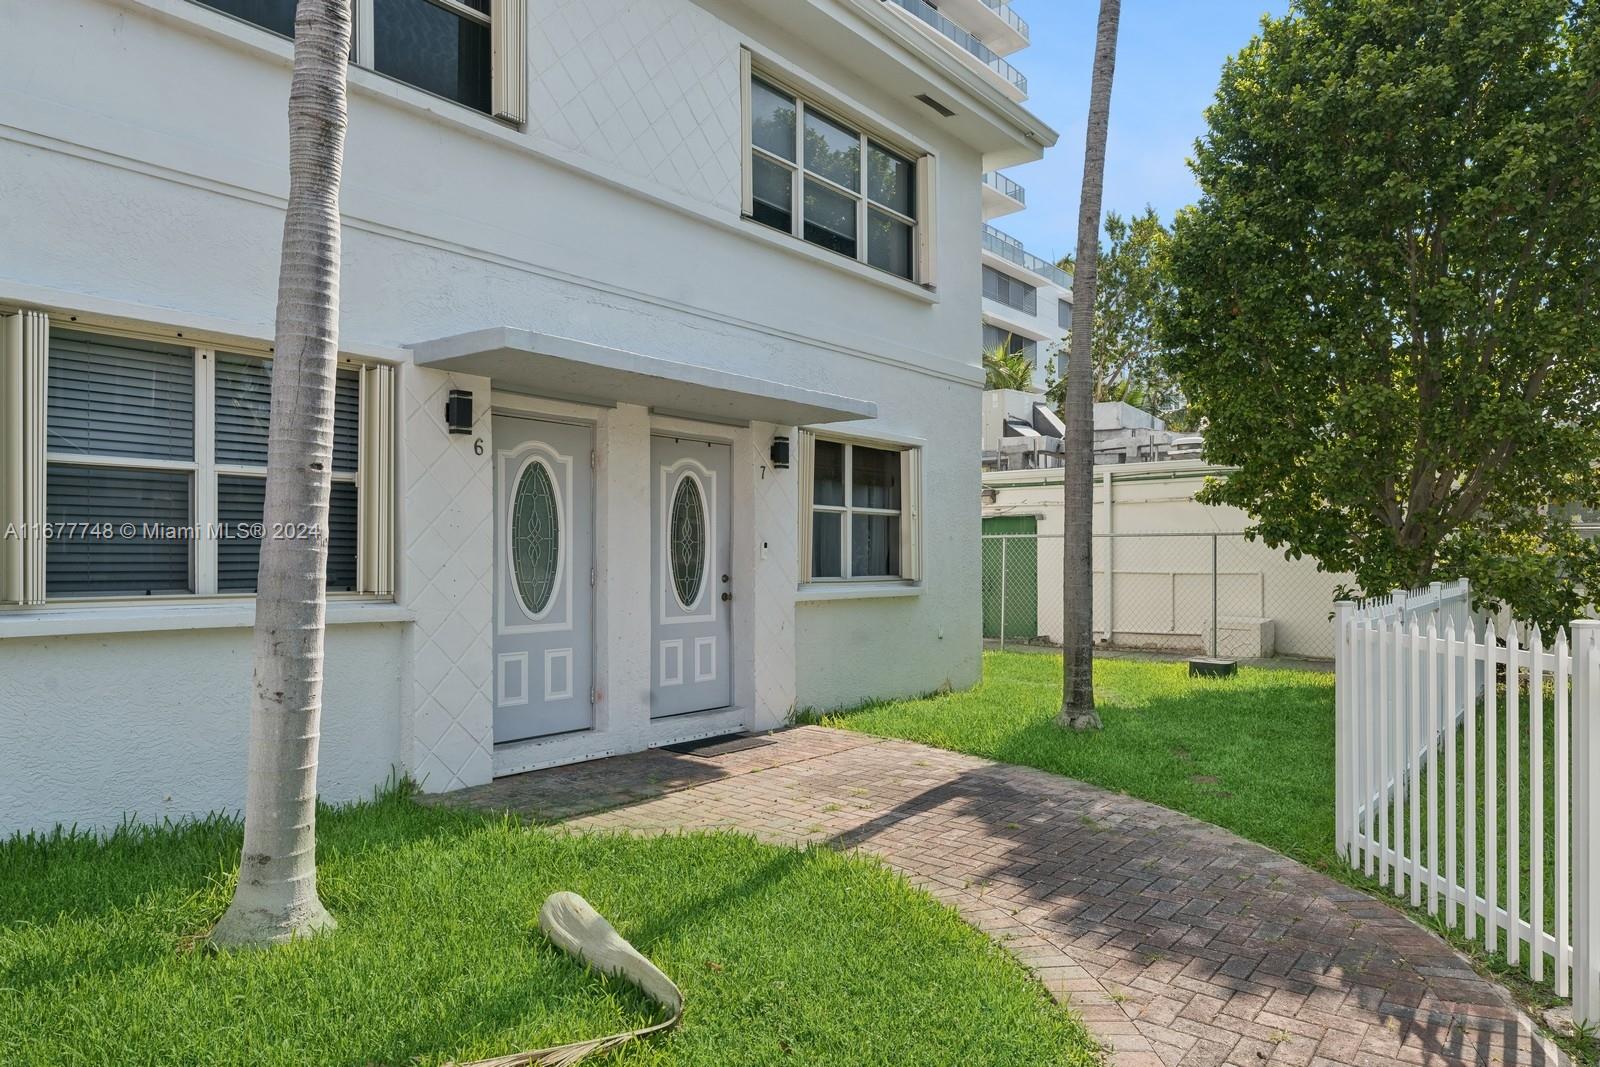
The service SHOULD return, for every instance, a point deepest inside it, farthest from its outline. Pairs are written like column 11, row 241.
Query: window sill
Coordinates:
column 59, row 621
column 795, row 246
column 819, row 591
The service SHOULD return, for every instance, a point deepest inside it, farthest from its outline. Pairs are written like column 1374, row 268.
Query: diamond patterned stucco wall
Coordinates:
column 775, row 505
column 447, row 521
column 650, row 88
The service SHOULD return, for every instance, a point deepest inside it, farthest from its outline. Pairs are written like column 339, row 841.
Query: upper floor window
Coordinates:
column 1010, row 291
column 995, row 337
column 445, row 47
column 274, row 15
column 1064, row 314
column 439, row 45
column 823, row 180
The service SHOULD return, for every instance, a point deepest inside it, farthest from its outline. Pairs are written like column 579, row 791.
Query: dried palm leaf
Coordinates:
column 575, row 927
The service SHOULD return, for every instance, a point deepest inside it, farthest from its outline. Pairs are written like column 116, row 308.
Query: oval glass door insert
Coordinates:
column 535, row 538
column 687, row 531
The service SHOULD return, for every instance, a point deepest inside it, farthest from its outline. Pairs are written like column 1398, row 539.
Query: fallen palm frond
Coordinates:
column 575, row 927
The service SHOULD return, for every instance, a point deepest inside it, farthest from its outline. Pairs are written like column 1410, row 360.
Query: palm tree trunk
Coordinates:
column 1077, row 583
column 276, row 897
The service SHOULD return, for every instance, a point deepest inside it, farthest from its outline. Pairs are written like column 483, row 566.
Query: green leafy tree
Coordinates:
column 1135, row 287
column 1005, row 369
column 1386, row 293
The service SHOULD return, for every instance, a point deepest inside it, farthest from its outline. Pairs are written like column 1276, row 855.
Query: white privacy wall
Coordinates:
column 156, row 725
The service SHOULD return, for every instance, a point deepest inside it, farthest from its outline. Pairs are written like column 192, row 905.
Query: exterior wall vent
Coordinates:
column 940, row 108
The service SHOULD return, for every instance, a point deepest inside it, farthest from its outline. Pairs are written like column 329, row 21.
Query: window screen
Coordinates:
column 442, row 51
column 145, row 551
column 274, row 15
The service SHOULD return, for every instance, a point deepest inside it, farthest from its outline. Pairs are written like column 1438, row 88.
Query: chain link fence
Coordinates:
column 1184, row 593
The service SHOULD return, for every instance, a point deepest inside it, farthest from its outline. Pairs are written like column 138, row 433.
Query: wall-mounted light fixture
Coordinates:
column 458, row 411
column 780, row 453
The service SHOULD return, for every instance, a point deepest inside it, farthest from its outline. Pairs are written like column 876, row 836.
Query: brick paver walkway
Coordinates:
column 1178, row 942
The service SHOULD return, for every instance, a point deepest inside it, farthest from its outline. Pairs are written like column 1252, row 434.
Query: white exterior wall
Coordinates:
column 1157, row 593
column 156, row 725
column 913, row 644
column 142, row 162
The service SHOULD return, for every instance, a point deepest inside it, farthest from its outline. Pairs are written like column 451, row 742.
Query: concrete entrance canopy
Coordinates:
column 563, row 368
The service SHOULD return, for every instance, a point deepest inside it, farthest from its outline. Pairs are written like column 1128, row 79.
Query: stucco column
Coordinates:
column 622, row 570
column 773, row 573
column 446, row 577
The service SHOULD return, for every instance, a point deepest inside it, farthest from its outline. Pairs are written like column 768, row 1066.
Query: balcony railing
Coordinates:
column 1003, row 9
column 997, row 181
column 1010, row 249
column 970, row 44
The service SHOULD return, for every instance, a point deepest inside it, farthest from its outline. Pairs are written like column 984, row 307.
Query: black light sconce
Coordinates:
column 780, row 453
column 458, row 411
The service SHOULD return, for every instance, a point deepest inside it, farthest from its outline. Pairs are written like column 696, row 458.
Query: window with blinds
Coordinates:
column 1010, row 292
column 156, row 469
column 243, row 410
column 119, row 490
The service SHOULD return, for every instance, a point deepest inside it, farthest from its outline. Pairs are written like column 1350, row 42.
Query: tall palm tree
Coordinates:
column 276, row 896
column 1077, row 582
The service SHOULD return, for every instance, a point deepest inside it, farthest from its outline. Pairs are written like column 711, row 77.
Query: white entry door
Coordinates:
column 691, row 576
column 543, row 560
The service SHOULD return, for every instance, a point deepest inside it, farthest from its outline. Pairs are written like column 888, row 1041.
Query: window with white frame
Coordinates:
column 822, row 179
column 468, row 51
column 861, row 513
column 154, row 469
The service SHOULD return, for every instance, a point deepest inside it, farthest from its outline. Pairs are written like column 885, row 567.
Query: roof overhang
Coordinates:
column 562, row 368
column 901, row 59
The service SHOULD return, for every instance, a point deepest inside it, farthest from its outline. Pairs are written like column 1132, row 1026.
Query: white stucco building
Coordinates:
column 1027, row 301
column 708, row 271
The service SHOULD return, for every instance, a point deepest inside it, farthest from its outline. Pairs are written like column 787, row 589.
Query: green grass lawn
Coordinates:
column 1252, row 753
column 784, row 956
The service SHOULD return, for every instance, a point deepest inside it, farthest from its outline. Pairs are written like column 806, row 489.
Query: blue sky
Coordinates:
column 1169, row 55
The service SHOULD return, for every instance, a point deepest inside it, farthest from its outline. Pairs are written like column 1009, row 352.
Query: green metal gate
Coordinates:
column 1011, row 578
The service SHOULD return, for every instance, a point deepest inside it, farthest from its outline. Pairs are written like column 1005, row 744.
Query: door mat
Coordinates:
column 722, row 745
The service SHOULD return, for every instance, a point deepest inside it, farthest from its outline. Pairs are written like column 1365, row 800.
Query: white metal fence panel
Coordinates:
column 1484, row 747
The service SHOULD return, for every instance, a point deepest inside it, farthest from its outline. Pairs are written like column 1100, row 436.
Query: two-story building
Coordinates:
column 705, row 271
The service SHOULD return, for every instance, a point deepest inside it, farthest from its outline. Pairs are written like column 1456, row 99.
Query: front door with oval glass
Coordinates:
column 691, row 575
column 544, row 602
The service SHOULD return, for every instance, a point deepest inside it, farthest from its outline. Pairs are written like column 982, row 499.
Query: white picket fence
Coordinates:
column 1442, row 743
